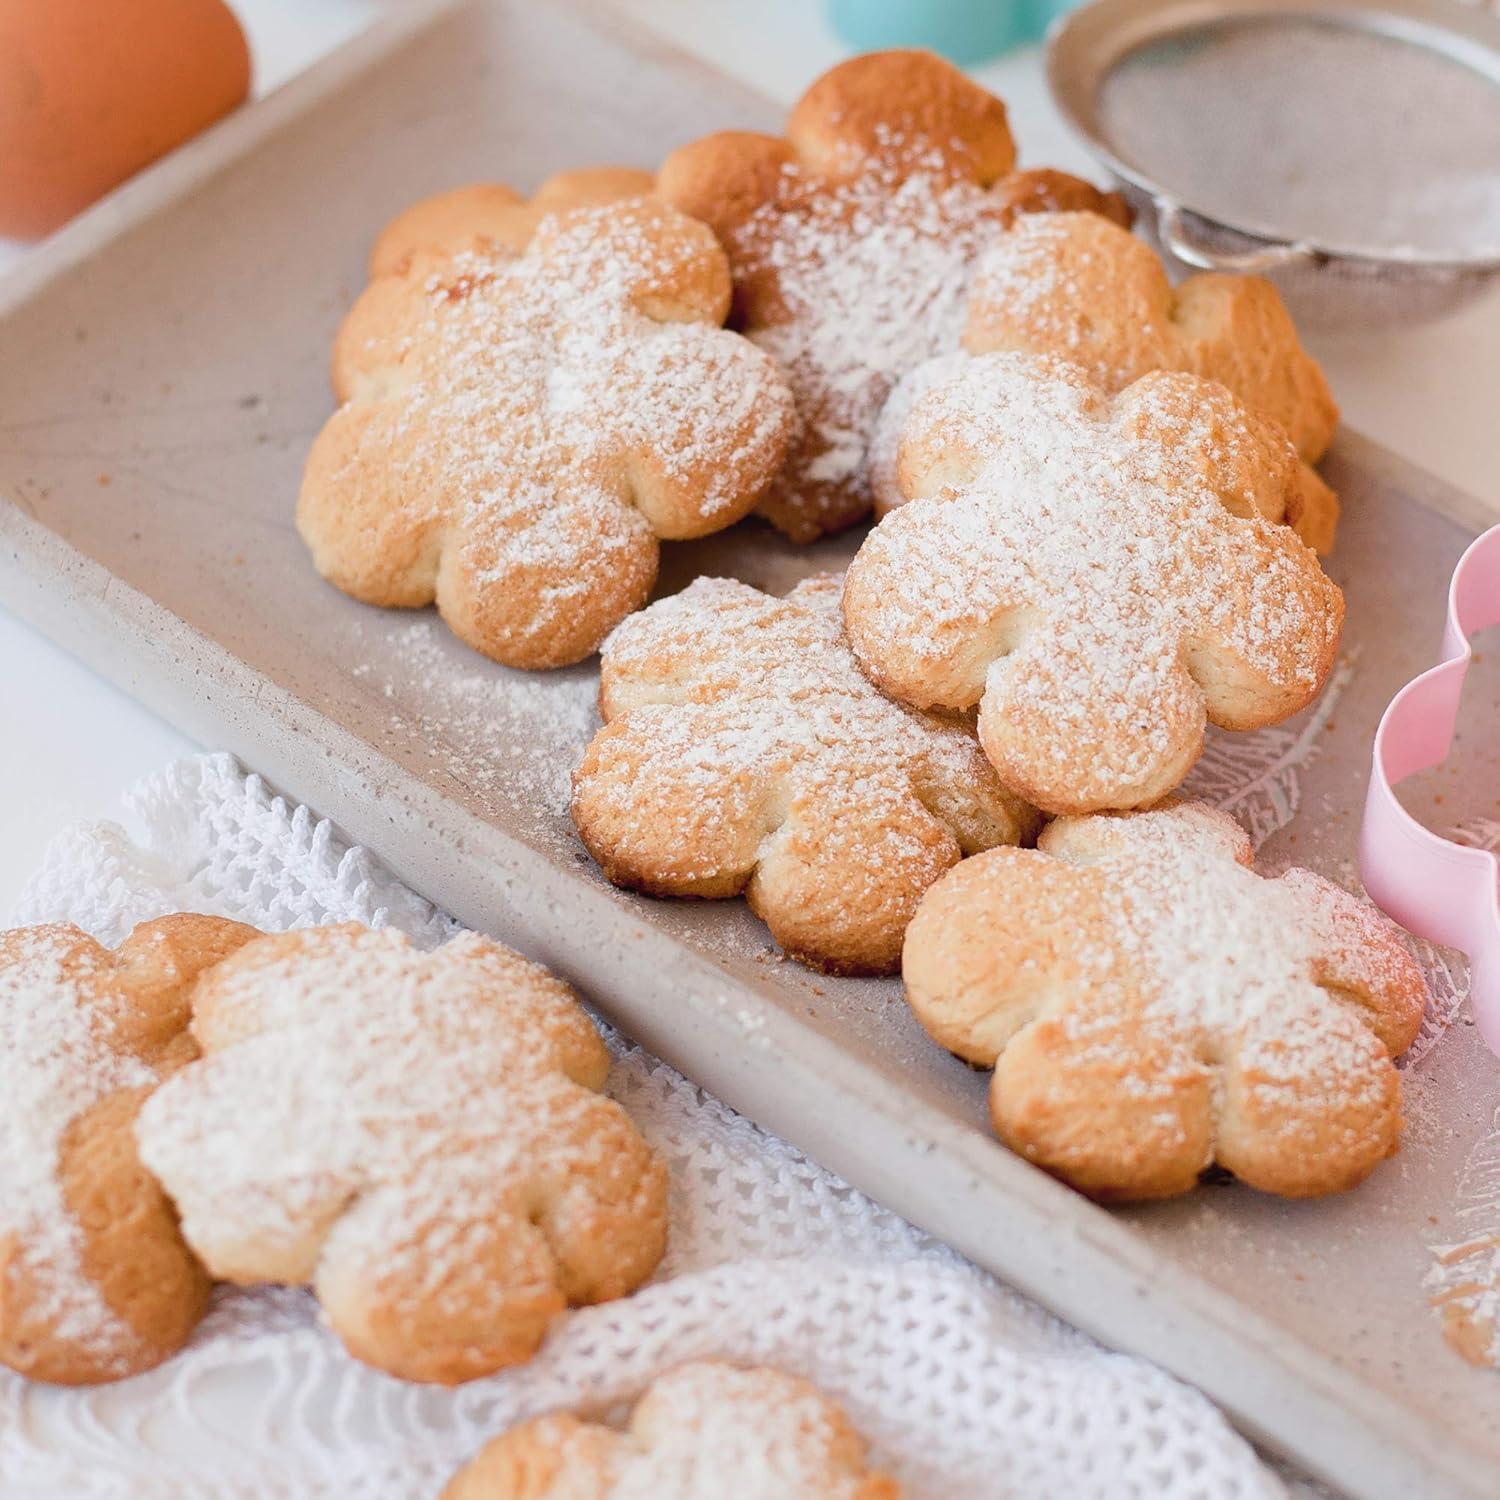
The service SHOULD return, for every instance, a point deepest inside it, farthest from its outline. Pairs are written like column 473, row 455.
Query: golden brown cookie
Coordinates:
column 705, row 1429
column 491, row 214
column 95, row 1280
column 420, row 1137
column 518, row 432
column 1151, row 1007
column 1101, row 575
column 744, row 751
column 1079, row 287
column 853, row 239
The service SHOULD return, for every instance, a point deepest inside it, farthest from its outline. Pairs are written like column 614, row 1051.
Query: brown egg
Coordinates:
column 91, row 91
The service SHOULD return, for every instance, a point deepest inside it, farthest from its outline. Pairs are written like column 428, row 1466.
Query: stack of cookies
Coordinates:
column 1096, row 531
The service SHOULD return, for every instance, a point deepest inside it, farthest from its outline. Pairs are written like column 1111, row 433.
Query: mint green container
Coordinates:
column 964, row 31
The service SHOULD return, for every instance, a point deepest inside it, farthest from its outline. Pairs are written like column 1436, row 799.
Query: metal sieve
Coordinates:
column 1348, row 150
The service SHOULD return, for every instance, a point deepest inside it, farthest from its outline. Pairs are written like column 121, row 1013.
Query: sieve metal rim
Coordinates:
column 1085, row 46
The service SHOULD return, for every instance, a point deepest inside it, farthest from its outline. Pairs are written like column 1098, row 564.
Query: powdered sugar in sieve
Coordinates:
column 1348, row 149
column 1303, row 128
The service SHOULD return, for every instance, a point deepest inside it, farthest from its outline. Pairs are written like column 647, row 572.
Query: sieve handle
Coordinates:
column 1171, row 226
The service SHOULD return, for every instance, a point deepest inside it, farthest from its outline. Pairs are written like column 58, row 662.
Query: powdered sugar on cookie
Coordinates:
column 706, row 1428
column 746, row 747
column 853, row 240
column 521, row 430
column 1081, row 287
column 1153, row 1006
column 780, row 1437
column 1099, row 575
column 417, row 1135
column 1078, row 287
column 1044, row 284
column 59, row 1058
column 874, row 275
column 1239, row 963
column 789, row 700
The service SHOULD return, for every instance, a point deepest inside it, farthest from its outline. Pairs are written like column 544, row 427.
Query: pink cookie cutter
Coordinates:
column 1440, row 890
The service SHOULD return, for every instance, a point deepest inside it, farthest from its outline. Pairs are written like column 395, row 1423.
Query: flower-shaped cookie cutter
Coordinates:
column 1446, row 892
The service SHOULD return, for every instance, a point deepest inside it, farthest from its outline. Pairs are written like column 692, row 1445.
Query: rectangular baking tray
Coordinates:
column 162, row 373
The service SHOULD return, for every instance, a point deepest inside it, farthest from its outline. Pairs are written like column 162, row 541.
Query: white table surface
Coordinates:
column 72, row 744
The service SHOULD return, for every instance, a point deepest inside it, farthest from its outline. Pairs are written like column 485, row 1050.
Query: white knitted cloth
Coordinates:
column 963, row 1386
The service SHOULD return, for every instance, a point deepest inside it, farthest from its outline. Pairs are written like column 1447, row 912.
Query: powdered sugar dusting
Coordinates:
column 1035, row 274
column 498, row 730
column 874, row 273
column 746, row 747
column 1086, row 553
column 58, row 1014
column 553, row 412
column 1027, row 272
column 778, row 1436
column 421, row 1100
column 789, row 709
column 885, row 439
column 709, row 1428
column 1243, row 972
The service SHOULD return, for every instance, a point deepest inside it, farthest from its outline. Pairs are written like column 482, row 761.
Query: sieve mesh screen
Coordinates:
column 1362, row 141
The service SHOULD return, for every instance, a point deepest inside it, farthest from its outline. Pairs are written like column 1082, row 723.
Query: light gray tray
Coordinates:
column 160, row 382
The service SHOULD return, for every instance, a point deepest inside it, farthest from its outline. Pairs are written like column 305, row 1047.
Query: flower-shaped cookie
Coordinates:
column 1100, row 575
column 1151, row 1007
column 704, row 1429
column 419, row 1137
column 743, row 750
column 853, row 239
column 1084, row 289
column 95, row 1281
column 518, row 432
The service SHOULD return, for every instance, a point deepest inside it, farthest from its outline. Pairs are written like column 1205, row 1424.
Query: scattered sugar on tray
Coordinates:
column 56, row 1021
column 511, row 733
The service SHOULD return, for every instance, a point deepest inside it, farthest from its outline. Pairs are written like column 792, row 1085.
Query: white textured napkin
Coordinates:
column 963, row 1386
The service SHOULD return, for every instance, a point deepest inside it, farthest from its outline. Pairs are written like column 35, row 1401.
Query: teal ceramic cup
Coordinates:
column 964, row 31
